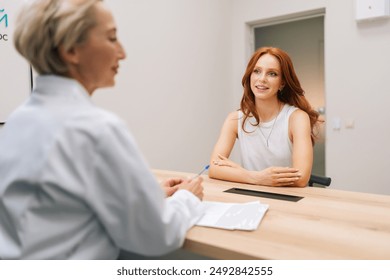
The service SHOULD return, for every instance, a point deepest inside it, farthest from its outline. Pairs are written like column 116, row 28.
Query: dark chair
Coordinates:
column 319, row 180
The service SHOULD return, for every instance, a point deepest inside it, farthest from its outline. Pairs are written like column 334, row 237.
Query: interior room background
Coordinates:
column 182, row 75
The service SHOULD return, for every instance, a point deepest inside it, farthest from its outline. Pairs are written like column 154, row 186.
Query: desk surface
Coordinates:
column 325, row 224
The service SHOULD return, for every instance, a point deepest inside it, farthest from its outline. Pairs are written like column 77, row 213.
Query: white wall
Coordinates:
column 14, row 70
column 357, row 63
column 357, row 85
column 174, row 85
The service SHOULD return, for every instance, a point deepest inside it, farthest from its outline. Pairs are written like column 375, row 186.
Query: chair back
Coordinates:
column 319, row 180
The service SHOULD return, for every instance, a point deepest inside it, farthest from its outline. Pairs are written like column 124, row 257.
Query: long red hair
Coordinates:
column 292, row 93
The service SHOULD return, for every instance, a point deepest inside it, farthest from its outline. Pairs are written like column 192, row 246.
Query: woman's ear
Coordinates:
column 282, row 86
column 68, row 56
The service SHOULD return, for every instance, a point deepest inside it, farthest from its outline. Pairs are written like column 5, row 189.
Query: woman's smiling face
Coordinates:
column 266, row 78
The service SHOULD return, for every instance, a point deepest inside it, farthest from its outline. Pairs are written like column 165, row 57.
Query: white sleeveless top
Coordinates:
column 255, row 155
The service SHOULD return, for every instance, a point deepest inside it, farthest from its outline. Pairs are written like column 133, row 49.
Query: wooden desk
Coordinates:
column 325, row 224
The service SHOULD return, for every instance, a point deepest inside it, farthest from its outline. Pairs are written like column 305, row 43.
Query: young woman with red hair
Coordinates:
column 275, row 127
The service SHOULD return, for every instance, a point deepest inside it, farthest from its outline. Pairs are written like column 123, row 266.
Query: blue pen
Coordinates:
column 201, row 172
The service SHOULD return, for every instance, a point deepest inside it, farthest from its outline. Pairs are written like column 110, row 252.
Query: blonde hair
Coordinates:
column 43, row 26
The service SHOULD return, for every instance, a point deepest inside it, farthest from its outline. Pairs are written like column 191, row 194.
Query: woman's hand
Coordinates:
column 170, row 186
column 224, row 161
column 276, row 176
column 195, row 186
column 271, row 176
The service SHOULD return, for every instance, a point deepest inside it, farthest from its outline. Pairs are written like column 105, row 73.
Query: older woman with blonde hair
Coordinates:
column 275, row 127
column 73, row 182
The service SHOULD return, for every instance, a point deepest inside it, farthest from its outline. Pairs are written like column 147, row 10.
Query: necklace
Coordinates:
column 272, row 128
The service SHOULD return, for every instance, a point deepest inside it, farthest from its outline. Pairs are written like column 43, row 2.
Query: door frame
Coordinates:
column 250, row 26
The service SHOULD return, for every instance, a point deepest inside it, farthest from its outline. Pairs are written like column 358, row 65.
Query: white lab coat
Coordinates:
column 73, row 184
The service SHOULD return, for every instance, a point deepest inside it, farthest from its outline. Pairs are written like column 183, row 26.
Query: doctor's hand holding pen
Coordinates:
column 193, row 184
column 170, row 186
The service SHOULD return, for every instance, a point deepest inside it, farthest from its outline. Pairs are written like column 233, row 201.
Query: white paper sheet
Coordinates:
column 241, row 216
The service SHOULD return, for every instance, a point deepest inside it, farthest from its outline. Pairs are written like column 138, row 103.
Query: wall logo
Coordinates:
column 3, row 22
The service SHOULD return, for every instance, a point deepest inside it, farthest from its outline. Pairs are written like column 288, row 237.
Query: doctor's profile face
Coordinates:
column 95, row 62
